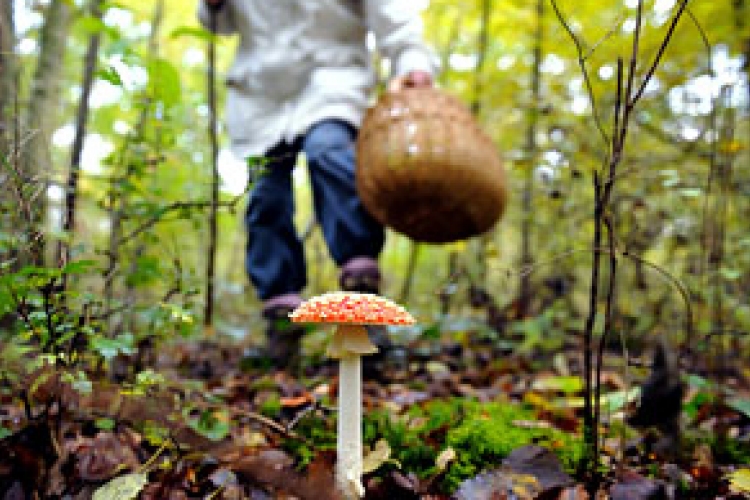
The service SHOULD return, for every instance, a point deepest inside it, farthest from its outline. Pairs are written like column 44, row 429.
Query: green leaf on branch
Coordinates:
column 110, row 75
column 192, row 31
column 109, row 348
column 164, row 82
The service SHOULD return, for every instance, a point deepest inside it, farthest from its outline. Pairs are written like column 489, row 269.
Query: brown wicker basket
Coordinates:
column 426, row 169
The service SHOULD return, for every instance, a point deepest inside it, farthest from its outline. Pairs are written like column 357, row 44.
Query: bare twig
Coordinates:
column 628, row 93
column 663, row 47
column 579, row 44
column 174, row 207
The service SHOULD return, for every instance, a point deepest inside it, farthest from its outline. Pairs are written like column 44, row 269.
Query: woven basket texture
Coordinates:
column 426, row 169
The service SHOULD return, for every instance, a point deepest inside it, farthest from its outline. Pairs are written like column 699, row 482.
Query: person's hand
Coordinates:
column 413, row 79
column 214, row 4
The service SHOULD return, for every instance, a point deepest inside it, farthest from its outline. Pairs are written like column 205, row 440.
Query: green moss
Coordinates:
column 481, row 434
column 489, row 432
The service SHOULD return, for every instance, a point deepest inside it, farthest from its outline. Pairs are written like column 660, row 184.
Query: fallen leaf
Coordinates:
column 739, row 481
column 499, row 484
column 374, row 459
column 296, row 401
column 125, row 487
column 539, row 463
column 636, row 487
column 446, row 456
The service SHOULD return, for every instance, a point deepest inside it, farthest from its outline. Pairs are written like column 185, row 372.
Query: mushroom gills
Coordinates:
column 351, row 339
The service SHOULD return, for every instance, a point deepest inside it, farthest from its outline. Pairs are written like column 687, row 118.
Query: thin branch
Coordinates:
column 660, row 53
column 674, row 281
column 609, row 312
column 176, row 206
column 582, row 63
column 630, row 103
column 606, row 37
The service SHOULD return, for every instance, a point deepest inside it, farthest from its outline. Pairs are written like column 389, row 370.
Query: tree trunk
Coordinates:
column 71, row 191
column 741, row 12
column 7, row 112
column 478, row 246
column 42, row 115
column 213, row 220
column 527, row 199
column 7, row 79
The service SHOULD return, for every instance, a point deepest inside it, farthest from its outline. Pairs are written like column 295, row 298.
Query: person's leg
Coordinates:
column 274, row 259
column 353, row 237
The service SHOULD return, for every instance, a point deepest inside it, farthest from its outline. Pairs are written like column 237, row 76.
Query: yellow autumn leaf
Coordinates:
column 731, row 147
column 739, row 480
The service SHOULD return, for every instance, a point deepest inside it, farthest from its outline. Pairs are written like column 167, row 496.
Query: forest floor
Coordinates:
column 447, row 419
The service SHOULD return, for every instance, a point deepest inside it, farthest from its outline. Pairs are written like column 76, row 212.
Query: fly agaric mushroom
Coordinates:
column 350, row 311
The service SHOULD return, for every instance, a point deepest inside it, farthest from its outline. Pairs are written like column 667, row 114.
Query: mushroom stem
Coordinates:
column 349, row 439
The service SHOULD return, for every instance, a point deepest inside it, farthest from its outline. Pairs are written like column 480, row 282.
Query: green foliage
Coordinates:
column 164, row 82
column 731, row 451
column 319, row 434
column 109, row 348
column 538, row 331
column 271, row 406
column 211, row 424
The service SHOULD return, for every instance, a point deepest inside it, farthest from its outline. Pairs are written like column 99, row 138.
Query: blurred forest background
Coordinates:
column 107, row 180
column 145, row 159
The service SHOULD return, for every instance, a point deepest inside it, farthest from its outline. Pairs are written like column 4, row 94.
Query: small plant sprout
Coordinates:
column 351, row 312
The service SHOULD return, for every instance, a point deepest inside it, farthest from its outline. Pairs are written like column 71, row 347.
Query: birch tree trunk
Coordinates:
column 44, row 99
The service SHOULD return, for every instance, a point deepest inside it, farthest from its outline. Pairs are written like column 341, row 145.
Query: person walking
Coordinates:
column 301, row 80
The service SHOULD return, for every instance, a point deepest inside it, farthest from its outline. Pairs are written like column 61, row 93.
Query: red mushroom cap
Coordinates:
column 351, row 307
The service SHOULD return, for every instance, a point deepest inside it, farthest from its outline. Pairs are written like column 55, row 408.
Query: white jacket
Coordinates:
column 301, row 61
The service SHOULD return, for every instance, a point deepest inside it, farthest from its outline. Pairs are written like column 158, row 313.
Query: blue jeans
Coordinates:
column 275, row 259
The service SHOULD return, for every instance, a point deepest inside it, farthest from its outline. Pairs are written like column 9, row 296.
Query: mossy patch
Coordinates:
column 480, row 434
column 489, row 432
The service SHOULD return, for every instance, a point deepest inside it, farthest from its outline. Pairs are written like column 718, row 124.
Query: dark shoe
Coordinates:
column 360, row 274
column 283, row 339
